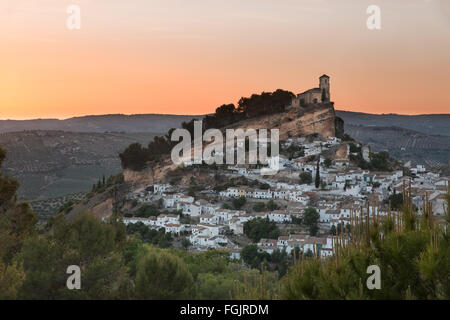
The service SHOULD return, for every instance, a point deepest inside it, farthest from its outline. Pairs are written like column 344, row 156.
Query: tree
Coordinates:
column 346, row 137
column 8, row 187
column 396, row 200
column 259, row 228
column 217, row 286
column 305, row 178
column 340, row 228
column 327, row 162
column 134, row 157
column 17, row 221
column 161, row 275
column 297, row 220
column 413, row 259
column 310, row 219
column 264, row 186
column 265, row 103
column 87, row 242
column 333, row 230
column 156, row 237
column 17, row 224
column 11, row 279
column 258, row 207
column 148, row 210
column 271, row 205
column 313, row 229
column 238, row 203
column 308, row 254
column 317, row 182
column 225, row 114
column 252, row 257
column 379, row 161
column 226, row 206
column 185, row 243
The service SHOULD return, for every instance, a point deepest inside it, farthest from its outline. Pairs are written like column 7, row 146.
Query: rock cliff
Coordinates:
column 299, row 122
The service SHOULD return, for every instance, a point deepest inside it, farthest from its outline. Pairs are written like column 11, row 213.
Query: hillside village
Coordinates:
column 337, row 178
column 314, row 208
column 347, row 191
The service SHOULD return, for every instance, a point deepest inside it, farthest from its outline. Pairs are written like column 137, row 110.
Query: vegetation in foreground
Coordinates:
column 412, row 251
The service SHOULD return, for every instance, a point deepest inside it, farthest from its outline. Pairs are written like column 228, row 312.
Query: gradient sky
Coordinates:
column 191, row 56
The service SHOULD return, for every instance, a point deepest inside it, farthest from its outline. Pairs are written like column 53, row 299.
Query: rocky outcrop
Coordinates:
column 152, row 174
column 310, row 120
column 299, row 122
column 339, row 127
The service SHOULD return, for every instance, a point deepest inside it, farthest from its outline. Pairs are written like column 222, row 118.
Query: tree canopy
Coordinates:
column 259, row 228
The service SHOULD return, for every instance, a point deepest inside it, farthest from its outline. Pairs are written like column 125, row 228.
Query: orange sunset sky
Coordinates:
column 191, row 56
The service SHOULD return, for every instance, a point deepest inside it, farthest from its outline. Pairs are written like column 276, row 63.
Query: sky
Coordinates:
column 191, row 56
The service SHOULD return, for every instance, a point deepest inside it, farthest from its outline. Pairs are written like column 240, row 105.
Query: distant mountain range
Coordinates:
column 54, row 157
column 422, row 139
column 404, row 144
column 158, row 123
column 435, row 124
column 50, row 163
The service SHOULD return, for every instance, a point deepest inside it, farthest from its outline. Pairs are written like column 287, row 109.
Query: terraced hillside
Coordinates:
column 434, row 124
column 54, row 163
column 404, row 144
column 101, row 123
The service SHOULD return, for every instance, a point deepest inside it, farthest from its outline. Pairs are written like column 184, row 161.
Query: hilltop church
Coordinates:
column 315, row 95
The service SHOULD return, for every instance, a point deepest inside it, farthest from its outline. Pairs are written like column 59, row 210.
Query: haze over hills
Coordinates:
column 101, row 123
column 423, row 139
column 404, row 144
column 55, row 157
column 436, row 124
column 54, row 163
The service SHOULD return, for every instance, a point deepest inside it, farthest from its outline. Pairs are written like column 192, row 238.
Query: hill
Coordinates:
column 298, row 122
column 54, row 163
column 433, row 124
column 156, row 123
column 404, row 144
column 145, row 165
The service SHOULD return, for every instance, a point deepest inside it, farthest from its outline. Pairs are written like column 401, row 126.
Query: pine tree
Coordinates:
column 411, row 251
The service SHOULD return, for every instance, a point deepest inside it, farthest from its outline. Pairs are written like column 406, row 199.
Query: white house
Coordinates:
column 279, row 216
column 236, row 225
column 174, row 228
column 161, row 188
column 191, row 209
column 298, row 196
column 262, row 194
column 225, row 215
column 164, row 219
column 209, row 219
column 151, row 221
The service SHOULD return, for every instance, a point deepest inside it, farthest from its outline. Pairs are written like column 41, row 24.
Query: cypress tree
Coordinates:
column 317, row 175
